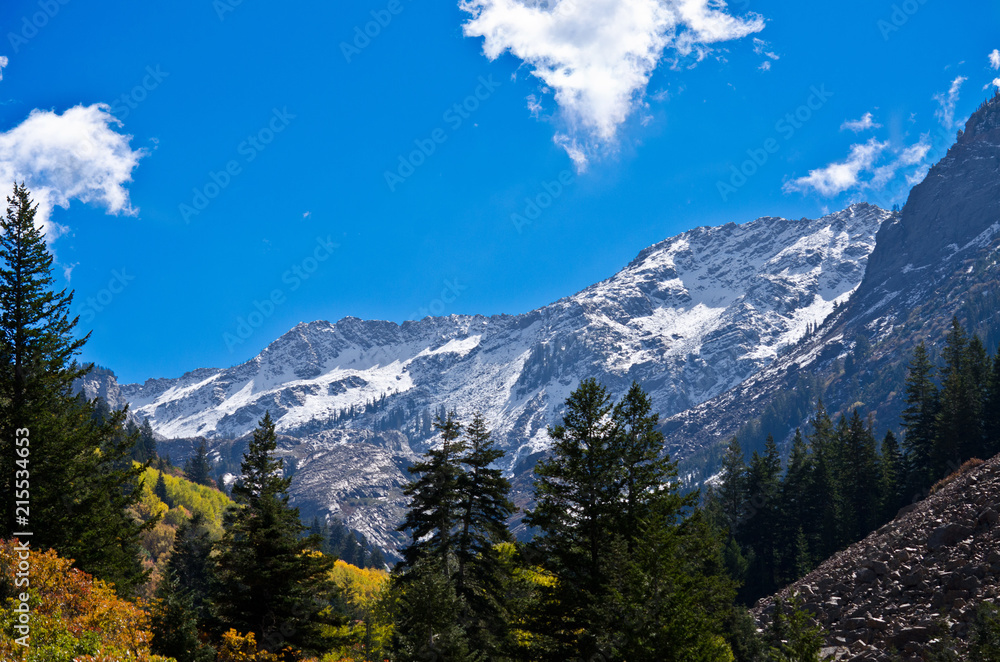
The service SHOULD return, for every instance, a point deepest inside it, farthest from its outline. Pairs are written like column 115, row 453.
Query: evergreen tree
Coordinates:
column 823, row 521
column 269, row 579
column 759, row 535
column 484, row 508
column 860, row 477
column 985, row 641
column 145, row 449
column 435, row 501
column 892, row 479
column 576, row 501
column 634, row 577
column 82, row 481
column 669, row 599
column 320, row 529
column 191, row 565
column 978, row 373
column 174, row 624
column 644, row 467
column 160, row 490
column 959, row 417
column 919, row 421
column 792, row 635
column 732, row 486
column 428, row 616
column 794, row 510
column 198, row 469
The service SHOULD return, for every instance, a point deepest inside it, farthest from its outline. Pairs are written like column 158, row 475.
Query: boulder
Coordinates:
column 948, row 535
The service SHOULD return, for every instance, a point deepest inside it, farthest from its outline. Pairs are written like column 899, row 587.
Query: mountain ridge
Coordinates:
column 689, row 318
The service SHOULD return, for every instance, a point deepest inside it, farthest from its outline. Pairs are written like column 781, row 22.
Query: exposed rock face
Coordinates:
column 927, row 569
column 948, row 217
column 102, row 383
column 356, row 476
column 936, row 259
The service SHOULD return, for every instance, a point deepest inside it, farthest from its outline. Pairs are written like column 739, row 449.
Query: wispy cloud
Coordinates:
column 995, row 58
column 866, row 122
column 3, row 64
column 840, row 176
column 78, row 155
column 597, row 55
column 869, row 166
column 534, row 105
column 760, row 48
column 946, row 102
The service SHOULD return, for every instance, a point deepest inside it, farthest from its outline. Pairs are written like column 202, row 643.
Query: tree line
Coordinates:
column 622, row 564
column 840, row 482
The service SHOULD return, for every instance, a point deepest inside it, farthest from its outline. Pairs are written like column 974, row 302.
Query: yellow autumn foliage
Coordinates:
column 187, row 496
column 71, row 615
column 362, row 595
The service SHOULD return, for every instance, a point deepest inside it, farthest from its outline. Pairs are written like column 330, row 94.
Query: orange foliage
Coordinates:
column 72, row 615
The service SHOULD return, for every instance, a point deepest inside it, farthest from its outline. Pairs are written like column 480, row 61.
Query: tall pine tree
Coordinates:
column 435, row 501
column 733, row 487
column 793, row 552
column 919, row 422
column 484, row 508
column 82, row 481
column 270, row 579
column 860, row 476
column 198, row 469
column 763, row 485
column 822, row 530
column 958, row 419
column 576, row 492
column 892, row 478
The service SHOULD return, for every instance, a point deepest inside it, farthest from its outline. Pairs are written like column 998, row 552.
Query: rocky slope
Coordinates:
column 917, row 578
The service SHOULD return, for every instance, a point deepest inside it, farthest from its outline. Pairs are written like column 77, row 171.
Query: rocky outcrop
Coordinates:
column 915, row 579
column 935, row 259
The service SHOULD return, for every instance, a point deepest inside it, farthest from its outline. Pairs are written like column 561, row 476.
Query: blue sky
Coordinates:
column 277, row 165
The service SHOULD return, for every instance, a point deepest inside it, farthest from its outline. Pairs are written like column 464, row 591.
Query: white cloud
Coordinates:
column 597, row 55
column 3, row 63
column 850, row 173
column 74, row 156
column 995, row 58
column 865, row 123
column 994, row 83
column 918, row 175
column 946, row 112
column 760, row 48
column 840, row 176
column 534, row 105
column 916, row 153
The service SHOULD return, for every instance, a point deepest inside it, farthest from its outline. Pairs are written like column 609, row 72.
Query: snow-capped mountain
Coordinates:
column 690, row 318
